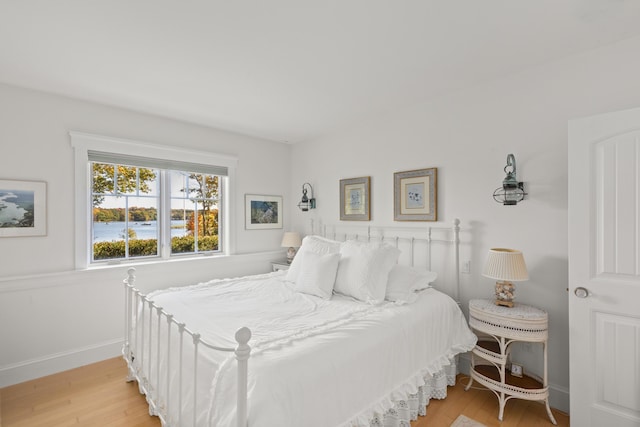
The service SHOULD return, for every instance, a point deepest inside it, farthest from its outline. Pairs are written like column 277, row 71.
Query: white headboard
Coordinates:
column 435, row 248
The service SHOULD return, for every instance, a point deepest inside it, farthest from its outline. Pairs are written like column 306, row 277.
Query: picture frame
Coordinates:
column 355, row 199
column 415, row 195
column 23, row 208
column 262, row 212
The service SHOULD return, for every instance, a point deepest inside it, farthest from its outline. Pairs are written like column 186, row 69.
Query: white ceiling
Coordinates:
column 289, row 70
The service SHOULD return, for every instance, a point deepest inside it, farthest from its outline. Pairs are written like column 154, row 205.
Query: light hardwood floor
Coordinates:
column 97, row 395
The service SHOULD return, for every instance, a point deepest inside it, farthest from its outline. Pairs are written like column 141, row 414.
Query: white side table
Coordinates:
column 506, row 325
column 280, row 265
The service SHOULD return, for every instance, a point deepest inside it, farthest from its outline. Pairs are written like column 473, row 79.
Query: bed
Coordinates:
column 357, row 332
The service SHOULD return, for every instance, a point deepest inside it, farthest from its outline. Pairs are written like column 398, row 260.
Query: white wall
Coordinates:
column 54, row 317
column 467, row 136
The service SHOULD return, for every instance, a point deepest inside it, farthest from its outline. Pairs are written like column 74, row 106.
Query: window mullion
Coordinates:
column 164, row 215
column 196, row 225
column 127, row 255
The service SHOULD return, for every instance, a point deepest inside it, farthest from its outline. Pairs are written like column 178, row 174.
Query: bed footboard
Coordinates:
column 145, row 323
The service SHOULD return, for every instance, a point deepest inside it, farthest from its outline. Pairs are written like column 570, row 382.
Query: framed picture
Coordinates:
column 262, row 212
column 23, row 208
column 415, row 195
column 355, row 199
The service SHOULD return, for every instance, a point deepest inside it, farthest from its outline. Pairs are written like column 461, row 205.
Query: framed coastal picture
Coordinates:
column 23, row 208
column 262, row 212
column 415, row 195
column 355, row 199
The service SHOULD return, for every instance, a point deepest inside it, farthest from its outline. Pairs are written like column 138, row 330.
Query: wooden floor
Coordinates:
column 97, row 395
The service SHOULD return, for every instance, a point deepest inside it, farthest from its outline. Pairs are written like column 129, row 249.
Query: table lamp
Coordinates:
column 291, row 240
column 506, row 266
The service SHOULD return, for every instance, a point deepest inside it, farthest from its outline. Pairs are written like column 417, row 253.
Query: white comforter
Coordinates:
column 314, row 362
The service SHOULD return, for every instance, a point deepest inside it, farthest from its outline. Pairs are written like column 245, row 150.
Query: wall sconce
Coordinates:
column 307, row 203
column 511, row 191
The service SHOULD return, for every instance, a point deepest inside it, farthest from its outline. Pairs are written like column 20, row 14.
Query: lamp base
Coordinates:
column 505, row 294
column 503, row 303
column 291, row 253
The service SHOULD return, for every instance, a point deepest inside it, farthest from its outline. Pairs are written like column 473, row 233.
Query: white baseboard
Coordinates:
column 558, row 395
column 54, row 363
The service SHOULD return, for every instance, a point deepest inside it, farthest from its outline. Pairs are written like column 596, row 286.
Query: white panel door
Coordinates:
column 604, row 269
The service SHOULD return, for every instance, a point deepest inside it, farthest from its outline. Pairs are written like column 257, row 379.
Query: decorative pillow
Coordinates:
column 318, row 274
column 364, row 269
column 404, row 281
column 315, row 244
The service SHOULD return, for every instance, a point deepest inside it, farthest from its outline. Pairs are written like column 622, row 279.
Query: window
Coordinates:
column 138, row 208
column 126, row 218
column 194, row 212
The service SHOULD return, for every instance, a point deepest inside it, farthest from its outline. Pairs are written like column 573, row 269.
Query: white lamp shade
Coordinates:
column 506, row 265
column 291, row 239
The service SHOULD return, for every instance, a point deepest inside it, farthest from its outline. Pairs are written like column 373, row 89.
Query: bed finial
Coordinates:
column 243, row 335
column 131, row 276
column 456, row 254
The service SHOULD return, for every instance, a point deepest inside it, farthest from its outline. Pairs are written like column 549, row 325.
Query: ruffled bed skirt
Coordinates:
column 406, row 410
column 403, row 411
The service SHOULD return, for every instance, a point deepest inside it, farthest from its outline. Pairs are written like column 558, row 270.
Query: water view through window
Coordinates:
column 110, row 231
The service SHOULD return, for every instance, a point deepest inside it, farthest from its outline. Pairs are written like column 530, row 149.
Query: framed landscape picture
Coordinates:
column 262, row 212
column 355, row 199
column 415, row 195
column 23, row 208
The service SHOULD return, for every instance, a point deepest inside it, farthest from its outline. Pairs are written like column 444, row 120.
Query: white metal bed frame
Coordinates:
column 138, row 308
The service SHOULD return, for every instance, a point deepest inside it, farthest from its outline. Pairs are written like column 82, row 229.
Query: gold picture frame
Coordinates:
column 355, row 199
column 415, row 195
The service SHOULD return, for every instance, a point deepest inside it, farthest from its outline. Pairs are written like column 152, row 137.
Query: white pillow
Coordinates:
column 404, row 281
column 315, row 244
column 318, row 274
column 364, row 269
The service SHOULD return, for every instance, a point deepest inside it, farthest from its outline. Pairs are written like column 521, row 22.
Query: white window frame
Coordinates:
column 85, row 142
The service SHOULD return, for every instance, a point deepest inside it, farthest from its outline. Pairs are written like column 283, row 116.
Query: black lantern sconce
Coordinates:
column 511, row 191
column 307, row 203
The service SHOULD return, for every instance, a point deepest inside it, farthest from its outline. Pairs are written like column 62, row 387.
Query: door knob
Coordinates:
column 581, row 292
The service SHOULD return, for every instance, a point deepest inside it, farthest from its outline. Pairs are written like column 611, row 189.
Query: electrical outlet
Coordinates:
column 466, row 267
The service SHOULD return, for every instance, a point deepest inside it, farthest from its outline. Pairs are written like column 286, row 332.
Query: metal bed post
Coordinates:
column 157, row 387
column 243, row 351
column 196, row 341
column 456, row 256
column 149, row 385
column 129, row 283
column 169, row 320
column 143, row 300
column 181, row 328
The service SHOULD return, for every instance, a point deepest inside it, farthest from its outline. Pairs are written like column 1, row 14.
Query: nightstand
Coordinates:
column 280, row 265
column 499, row 327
